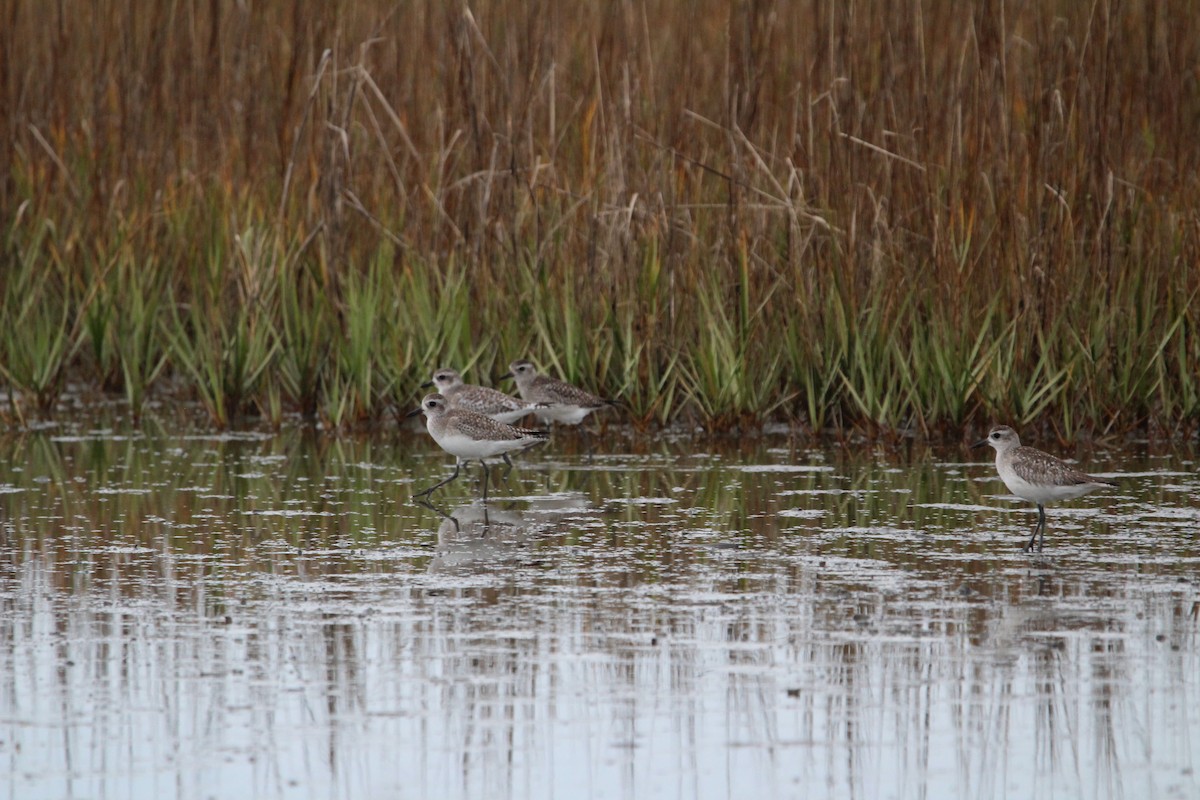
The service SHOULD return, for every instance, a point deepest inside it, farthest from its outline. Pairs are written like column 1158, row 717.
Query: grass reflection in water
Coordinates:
column 209, row 613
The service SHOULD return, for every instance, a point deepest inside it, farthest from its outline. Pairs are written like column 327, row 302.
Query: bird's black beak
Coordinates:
column 506, row 376
column 414, row 412
column 426, row 384
column 980, row 443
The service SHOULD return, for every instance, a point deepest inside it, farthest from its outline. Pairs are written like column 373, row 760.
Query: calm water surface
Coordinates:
column 195, row 616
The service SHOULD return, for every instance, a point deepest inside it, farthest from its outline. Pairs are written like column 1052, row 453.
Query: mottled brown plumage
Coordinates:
column 1036, row 476
column 563, row 402
column 480, row 399
column 472, row 437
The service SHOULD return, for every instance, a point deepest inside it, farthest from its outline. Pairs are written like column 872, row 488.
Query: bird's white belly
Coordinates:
column 1042, row 493
column 567, row 415
column 511, row 417
column 456, row 444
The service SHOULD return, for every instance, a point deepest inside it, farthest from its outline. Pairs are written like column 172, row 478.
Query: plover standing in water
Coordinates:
column 1037, row 477
column 559, row 401
column 471, row 437
column 562, row 402
column 480, row 399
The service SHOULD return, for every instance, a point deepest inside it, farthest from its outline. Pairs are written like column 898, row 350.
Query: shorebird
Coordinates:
column 469, row 436
column 1037, row 477
column 562, row 402
column 480, row 399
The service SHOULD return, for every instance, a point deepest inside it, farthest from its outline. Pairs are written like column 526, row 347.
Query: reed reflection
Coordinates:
column 738, row 622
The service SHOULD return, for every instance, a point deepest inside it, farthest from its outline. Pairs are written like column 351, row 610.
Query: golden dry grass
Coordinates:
column 897, row 216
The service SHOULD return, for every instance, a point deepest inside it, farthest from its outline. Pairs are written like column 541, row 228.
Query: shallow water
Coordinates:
column 192, row 616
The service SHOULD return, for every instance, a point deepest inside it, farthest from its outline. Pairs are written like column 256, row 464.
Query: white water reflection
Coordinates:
column 564, row 642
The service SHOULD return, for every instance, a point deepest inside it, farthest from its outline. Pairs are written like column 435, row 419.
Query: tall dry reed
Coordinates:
column 899, row 217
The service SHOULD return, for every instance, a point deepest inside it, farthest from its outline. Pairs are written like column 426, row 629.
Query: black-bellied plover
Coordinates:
column 471, row 437
column 1037, row 477
column 480, row 399
column 563, row 402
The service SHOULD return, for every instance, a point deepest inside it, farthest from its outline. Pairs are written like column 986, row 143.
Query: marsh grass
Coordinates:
column 221, row 333
column 896, row 218
column 132, row 336
column 39, row 334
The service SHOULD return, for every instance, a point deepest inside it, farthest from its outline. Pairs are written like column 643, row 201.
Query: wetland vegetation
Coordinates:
column 878, row 223
column 890, row 218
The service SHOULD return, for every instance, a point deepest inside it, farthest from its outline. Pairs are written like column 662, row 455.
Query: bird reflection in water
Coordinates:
column 482, row 532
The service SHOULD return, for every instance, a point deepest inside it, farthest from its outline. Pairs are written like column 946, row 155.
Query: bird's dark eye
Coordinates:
column 996, row 435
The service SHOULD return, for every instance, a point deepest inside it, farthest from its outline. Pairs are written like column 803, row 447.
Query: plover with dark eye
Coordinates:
column 471, row 437
column 558, row 401
column 563, row 401
column 1037, row 477
column 480, row 399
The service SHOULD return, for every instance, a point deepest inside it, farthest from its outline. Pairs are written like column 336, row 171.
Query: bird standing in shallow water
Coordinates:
column 469, row 436
column 1036, row 476
column 561, row 401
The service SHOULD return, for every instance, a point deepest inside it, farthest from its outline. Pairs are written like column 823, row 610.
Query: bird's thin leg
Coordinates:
column 430, row 490
column 508, row 469
column 1042, row 524
column 1037, row 528
column 483, row 464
